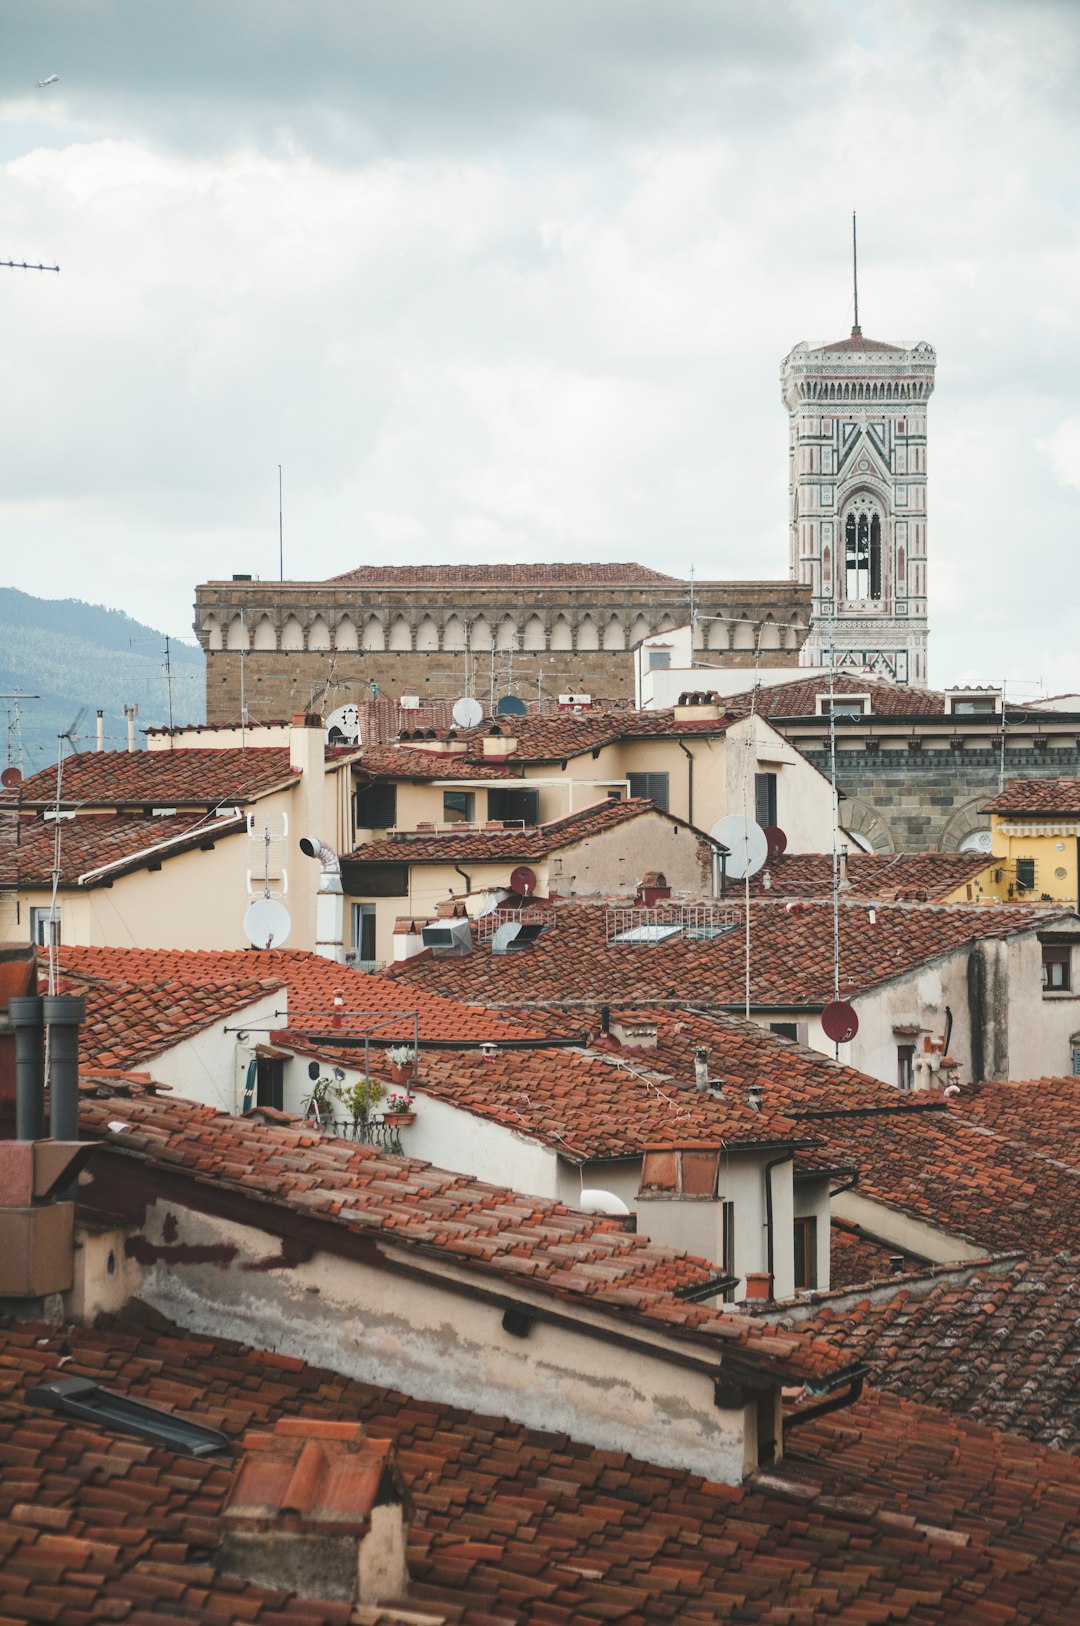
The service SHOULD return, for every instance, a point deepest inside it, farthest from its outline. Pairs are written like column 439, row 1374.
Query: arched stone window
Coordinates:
column 400, row 633
column 480, row 634
column 665, row 624
column 769, row 635
column 318, row 634
column 345, row 635
column 265, row 634
column 427, row 634
column 639, row 629
column 561, row 635
column 901, row 565
column 237, row 637
column 791, row 632
column 212, row 629
column 292, row 634
column 862, row 553
column 717, row 635
column 506, row 634
column 534, row 636
column 374, row 633
column 453, row 633
column 742, row 634
column 614, row 636
column 587, row 636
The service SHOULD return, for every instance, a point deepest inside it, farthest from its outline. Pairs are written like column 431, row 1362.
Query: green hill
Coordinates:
column 76, row 655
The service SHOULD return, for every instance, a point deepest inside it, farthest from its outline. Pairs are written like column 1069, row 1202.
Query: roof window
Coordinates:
column 79, row 1397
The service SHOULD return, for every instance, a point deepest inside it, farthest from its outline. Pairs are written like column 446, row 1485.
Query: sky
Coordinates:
column 512, row 280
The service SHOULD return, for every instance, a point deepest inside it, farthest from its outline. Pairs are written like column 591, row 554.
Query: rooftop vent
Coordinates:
column 514, row 935
column 451, row 938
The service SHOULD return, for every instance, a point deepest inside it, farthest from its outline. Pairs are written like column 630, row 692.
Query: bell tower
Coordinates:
column 857, row 481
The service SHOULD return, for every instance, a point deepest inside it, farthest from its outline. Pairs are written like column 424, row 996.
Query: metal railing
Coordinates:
column 656, row 925
column 376, row 1130
column 485, row 926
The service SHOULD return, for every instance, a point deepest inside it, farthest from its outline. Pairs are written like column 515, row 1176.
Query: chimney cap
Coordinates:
column 308, row 1474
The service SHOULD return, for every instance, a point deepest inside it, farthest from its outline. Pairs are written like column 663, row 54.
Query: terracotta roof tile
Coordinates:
column 187, row 778
column 996, row 1342
column 536, row 842
column 1060, row 796
column 118, row 842
column 559, row 574
column 366, row 1189
column 791, row 954
column 903, row 877
column 888, row 1510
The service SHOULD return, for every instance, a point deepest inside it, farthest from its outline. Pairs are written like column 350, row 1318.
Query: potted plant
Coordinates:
column 318, row 1104
column 402, row 1059
column 358, row 1099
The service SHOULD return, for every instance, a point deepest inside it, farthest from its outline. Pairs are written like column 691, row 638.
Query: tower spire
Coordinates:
column 856, row 332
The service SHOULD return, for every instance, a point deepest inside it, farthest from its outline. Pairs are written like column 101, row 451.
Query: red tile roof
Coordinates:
column 791, row 955
column 517, row 845
column 312, row 984
column 117, row 843
column 856, row 342
column 888, row 1510
column 799, row 698
column 591, row 1106
column 562, row 575
column 362, row 1189
column 1060, row 796
column 855, row 1258
column 910, row 877
column 998, row 1343
column 185, row 778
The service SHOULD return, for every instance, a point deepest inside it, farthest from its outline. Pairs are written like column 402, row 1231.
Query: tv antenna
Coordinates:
column 23, row 265
column 855, row 272
column 71, row 732
column 14, row 725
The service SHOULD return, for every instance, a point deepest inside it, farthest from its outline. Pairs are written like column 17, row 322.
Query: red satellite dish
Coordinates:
column 839, row 1021
column 776, row 838
column 523, row 881
column 10, row 778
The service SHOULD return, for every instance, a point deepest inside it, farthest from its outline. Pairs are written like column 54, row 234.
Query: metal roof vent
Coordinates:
column 449, row 938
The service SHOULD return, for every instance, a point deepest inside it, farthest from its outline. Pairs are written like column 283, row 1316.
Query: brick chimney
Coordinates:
column 320, row 1509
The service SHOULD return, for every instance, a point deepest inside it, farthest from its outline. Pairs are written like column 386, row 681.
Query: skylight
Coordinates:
column 658, row 933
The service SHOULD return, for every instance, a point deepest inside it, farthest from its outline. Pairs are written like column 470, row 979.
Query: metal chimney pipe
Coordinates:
column 25, row 1013
column 63, row 1014
column 100, row 730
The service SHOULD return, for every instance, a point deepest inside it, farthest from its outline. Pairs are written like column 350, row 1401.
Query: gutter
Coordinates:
column 689, row 755
column 466, row 878
column 837, row 1402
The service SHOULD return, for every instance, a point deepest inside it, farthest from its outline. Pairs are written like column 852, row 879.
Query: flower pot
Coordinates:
column 401, row 1072
column 400, row 1120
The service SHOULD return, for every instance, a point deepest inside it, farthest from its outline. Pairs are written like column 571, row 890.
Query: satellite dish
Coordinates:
column 596, row 1201
column 10, row 778
column 776, row 839
column 267, row 923
column 467, row 713
column 523, row 881
column 343, row 726
column 839, row 1021
column 747, row 844
column 509, row 705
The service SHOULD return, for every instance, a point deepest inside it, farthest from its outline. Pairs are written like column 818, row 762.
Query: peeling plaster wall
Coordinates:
column 215, row 1277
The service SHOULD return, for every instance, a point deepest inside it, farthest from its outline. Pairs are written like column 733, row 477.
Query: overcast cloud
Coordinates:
column 499, row 280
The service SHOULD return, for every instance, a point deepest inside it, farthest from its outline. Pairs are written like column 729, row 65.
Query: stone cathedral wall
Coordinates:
column 322, row 643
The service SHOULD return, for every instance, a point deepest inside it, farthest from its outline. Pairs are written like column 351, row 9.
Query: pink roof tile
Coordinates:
column 568, row 575
column 513, row 845
column 117, row 843
column 1058, row 796
column 910, row 877
column 188, row 778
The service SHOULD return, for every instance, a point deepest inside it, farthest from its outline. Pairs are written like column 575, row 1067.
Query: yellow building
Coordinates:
column 1034, row 831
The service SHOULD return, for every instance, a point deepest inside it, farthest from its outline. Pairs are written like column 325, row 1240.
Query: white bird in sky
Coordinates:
column 53, row 79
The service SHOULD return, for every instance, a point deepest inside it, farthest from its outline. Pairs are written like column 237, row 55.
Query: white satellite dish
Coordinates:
column 467, row 713
column 747, row 844
column 267, row 923
column 343, row 726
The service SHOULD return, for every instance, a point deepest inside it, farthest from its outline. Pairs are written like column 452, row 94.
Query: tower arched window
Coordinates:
column 875, row 557
column 862, row 555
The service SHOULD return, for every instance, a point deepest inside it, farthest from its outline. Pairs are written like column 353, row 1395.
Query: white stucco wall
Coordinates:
column 435, row 1343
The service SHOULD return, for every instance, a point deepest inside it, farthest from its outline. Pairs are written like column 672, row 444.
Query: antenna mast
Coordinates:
column 280, row 528
column 21, row 265
column 855, row 271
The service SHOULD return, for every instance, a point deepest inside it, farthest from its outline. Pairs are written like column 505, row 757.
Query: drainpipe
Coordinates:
column 329, row 902
column 774, row 1163
column 467, row 879
column 689, row 755
column 63, row 1013
column 25, row 1014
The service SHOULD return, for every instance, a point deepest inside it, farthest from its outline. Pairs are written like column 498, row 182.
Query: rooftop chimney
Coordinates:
column 319, row 1509
column 701, row 1068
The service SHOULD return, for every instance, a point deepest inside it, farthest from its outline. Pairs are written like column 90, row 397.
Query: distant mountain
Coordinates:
column 77, row 655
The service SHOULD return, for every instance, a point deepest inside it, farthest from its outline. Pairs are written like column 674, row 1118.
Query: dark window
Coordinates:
column 374, row 880
column 376, row 807
column 520, row 806
column 44, row 927
column 1025, row 874
column 765, row 798
column 875, row 557
column 905, row 1066
column 363, row 922
column 786, row 1030
column 652, row 785
column 843, row 706
column 727, row 1263
column 458, row 806
column 805, row 1253
column 1057, row 967
column 270, row 1083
